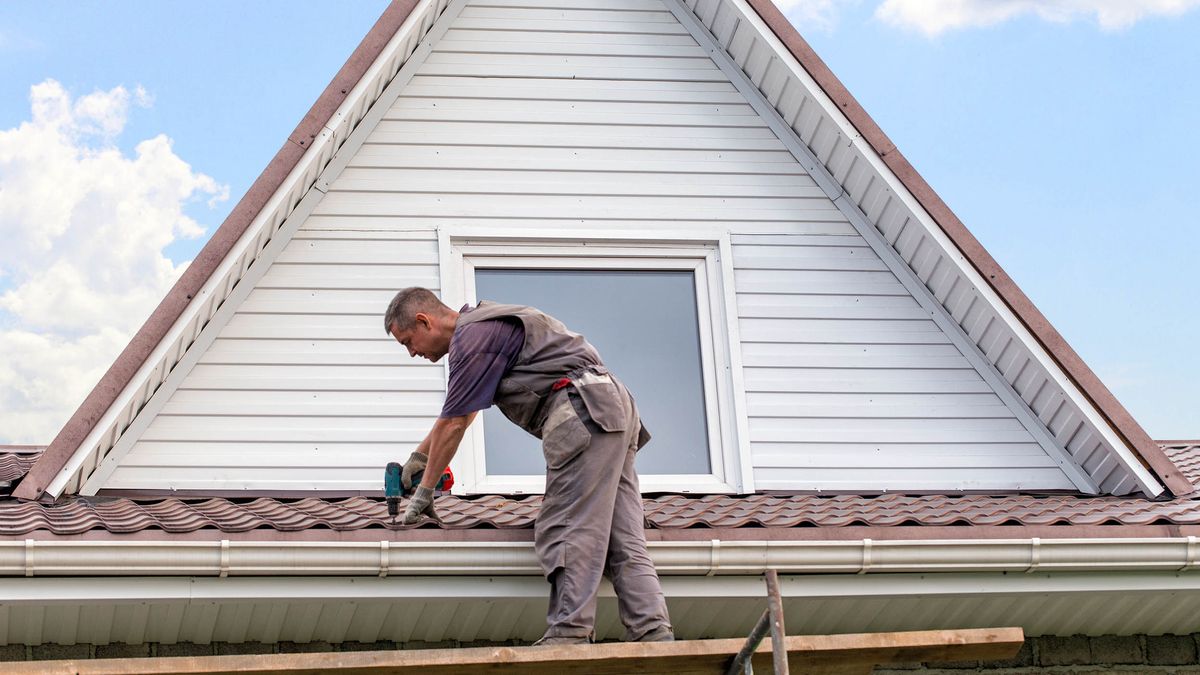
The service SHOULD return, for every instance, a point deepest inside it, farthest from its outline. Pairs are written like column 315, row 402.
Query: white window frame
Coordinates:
column 464, row 250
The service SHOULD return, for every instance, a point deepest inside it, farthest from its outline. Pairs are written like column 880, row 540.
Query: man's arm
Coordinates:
column 443, row 442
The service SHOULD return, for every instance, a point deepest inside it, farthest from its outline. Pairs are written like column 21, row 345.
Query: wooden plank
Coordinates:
column 854, row 653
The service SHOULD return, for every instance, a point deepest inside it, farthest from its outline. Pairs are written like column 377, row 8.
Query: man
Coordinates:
column 552, row 383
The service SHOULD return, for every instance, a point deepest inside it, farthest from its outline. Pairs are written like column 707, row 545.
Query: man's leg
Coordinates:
column 640, row 600
column 571, row 534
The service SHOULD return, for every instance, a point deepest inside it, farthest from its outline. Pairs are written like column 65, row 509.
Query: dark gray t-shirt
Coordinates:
column 481, row 353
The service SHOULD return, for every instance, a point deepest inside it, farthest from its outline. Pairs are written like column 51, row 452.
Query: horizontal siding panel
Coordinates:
column 886, row 456
column 380, row 251
column 576, row 112
column 483, row 42
column 714, row 165
column 317, row 378
column 307, row 352
column 488, row 68
column 403, row 181
column 673, row 68
column 801, row 400
column 567, row 14
column 865, row 331
column 388, row 224
column 174, row 456
column 291, row 428
column 631, row 24
column 536, row 90
column 254, row 402
column 831, row 282
column 349, row 276
column 248, row 478
column 829, row 306
column 457, row 133
column 583, row 206
column 790, row 453
column 816, row 430
column 911, row 479
column 864, row 381
column 630, row 5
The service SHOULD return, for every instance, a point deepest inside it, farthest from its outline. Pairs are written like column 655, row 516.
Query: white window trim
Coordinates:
column 463, row 250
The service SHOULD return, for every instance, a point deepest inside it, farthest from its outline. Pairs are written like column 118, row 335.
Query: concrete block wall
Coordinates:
column 1080, row 655
column 1072, row 655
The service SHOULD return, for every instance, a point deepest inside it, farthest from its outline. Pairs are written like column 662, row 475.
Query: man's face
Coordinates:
column 423, row 339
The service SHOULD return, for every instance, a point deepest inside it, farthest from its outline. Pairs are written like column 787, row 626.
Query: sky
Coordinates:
column 1062, row 132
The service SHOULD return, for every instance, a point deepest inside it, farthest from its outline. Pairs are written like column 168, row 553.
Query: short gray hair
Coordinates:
column 407, row 303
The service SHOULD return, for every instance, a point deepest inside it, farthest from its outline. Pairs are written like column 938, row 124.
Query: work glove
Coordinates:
column 416, row 462
column 420, row 504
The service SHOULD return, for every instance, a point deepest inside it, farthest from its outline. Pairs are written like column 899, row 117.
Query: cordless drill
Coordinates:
column 393, row 489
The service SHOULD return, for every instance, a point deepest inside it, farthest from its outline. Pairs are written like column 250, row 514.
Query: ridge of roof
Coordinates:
column 206, row 262
column 1022, row 307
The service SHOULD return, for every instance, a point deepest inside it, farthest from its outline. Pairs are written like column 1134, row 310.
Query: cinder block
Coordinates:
column 304, row 647
column 953, row 665
column 446, row 644
column 1023, row 659
column 1117, row 650
column 13, row 653
column 482, row 643
column 46, row 652
column 1170, row 650
column 382, row 645
column 227, row 648
column 1063, row 651
column 185, row 649
column 122, row 651
column 898, row 666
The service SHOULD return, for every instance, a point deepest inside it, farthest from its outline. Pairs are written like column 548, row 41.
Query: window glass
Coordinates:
column 645, row 326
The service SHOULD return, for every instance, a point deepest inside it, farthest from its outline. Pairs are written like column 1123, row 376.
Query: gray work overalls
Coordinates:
column 591, row 521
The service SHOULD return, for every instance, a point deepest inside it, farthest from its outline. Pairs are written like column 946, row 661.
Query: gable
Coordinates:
column 870, row 362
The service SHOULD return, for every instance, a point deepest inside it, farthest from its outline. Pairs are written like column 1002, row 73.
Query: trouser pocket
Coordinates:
column 564, row 435
column 604, row 400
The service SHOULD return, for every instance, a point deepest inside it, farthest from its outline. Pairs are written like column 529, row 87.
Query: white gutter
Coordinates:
column 283, row 558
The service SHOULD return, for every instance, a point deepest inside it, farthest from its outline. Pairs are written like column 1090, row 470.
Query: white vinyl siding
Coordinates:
column 528, row 116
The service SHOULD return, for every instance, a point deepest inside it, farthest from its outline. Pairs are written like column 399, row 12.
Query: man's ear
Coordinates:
column 423, row 318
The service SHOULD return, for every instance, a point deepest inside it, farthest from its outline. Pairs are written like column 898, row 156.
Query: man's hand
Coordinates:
column 416, row 462
column 420, row 504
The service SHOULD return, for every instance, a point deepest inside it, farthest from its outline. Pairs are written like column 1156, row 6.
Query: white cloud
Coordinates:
column 934, row 17
column 84, row 227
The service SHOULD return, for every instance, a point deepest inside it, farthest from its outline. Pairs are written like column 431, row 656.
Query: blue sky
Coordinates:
column 1068, row 149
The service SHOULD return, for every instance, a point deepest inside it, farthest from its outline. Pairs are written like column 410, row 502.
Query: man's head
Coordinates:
column 420, row 322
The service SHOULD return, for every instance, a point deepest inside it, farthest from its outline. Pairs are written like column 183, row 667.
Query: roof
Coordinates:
column 668, row 513
column 15, row 461
column 80, row 515
column 147, row 343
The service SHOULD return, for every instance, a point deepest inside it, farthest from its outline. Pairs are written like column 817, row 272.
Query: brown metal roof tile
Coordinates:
column 1186, row 457
column 78, row 515
column 15, row 460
